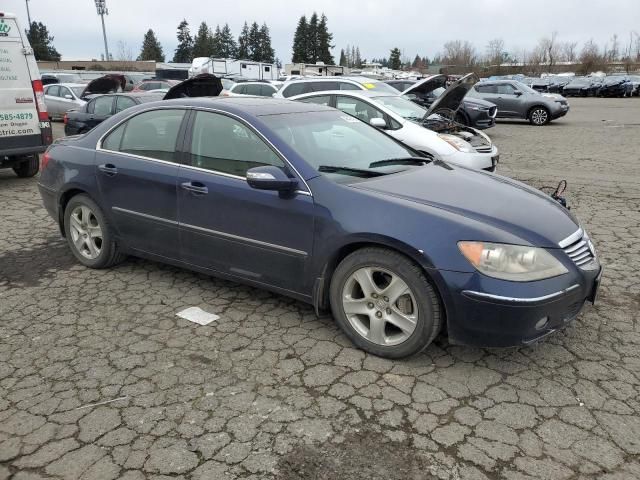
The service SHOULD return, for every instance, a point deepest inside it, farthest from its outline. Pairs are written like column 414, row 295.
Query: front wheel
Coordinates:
column 384, row 303
column 539, row 116
column 89, row 235
column 28, row 166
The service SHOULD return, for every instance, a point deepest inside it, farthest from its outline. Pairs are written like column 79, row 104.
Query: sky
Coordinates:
column 376, row 26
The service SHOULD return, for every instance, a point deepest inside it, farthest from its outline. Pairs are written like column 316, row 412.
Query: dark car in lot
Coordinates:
column 581, row 87
column 100, row 107
column 473, row 112
column 516, row 100
column 297, row 197
column 613, row 86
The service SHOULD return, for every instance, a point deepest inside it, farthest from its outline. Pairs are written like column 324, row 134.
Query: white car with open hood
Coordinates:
column 428, row 131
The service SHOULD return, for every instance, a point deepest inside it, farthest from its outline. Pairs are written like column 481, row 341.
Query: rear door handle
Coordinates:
column 108, row 169
column 195, row 187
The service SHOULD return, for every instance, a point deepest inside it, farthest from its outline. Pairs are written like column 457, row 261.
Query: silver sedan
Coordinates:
column 62, row 97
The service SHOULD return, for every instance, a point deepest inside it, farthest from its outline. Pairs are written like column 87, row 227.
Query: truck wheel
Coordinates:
column 28, row 166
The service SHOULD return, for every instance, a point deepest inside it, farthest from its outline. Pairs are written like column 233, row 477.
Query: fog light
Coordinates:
column 540, row 324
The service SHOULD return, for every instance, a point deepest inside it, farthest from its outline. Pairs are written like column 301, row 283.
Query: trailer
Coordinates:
column 231, row 67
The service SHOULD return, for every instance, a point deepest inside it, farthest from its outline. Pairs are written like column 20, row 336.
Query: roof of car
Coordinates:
column 358, row 79
column 350, row 93
column 253, row 106
column 68, row 84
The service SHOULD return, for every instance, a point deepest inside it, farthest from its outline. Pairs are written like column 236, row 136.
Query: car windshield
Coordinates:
column 524, row 88
column 403, row 107
column 77, row 90
column 331, row 140
column 227, row 84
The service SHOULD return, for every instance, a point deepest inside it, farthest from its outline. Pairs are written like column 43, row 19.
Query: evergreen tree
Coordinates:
column 243, row 43
column 357, row 59
column 255, row 45
column 343, row 58
column 394, row 59
column 202, row 42
column 353, row 56
column 151, row 48
column 324, row 42
column 227, row 44
column 41, row 42
column 185, row 44
column 300, row 41
column 267, row 53
column 312, row 39
column 215, row 43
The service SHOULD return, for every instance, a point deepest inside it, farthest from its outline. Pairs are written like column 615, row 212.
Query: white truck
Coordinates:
column 228, row 67
column 25, row 129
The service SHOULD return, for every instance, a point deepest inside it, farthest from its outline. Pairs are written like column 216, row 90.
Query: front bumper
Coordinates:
column 487, row 312
column 476, row 160
column 560, row 112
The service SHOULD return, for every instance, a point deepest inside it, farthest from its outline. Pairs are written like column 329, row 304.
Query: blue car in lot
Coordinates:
column 315, row 204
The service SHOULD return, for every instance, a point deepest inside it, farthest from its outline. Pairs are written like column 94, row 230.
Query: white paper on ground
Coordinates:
column 197, row 315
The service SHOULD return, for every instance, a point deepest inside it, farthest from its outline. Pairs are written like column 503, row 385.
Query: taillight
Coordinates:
column 43, row 116
column 45, row 159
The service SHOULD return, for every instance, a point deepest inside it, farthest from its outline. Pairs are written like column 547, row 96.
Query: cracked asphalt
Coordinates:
column 100, row 380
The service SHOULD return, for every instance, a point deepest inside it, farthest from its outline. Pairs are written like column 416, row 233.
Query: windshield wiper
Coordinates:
column 348, row 171
column 400, row 161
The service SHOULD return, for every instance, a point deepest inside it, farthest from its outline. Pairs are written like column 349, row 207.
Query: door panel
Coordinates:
column 234, row 228
column 137, row 171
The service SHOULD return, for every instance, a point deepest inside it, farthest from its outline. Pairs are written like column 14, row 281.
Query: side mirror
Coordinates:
column 517, row 93
column 269, row 177
column 378, row 122
column 68, row 97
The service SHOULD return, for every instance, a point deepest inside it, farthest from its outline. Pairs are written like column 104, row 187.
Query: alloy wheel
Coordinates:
column 539, row 116
column 86, row 232
column 380, row 306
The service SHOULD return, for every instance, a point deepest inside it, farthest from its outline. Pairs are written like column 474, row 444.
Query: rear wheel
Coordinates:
column 28, row 166
column 384, row 303
column 539, row 116
column 89, row 235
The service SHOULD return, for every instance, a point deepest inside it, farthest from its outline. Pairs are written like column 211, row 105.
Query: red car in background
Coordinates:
column 146, row 85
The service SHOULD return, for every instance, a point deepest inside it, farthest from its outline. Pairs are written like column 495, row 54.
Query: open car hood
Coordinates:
column 107, row 84
column 203, row 85
column 451, row 98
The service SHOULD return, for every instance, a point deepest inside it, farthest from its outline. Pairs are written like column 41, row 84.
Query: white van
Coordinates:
column 25, row 129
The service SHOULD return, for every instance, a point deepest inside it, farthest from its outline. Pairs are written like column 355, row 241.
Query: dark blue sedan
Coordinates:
column 312, row 203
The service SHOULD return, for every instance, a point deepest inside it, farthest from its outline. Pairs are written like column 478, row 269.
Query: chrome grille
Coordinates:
column 493, row 112
column 579, row 248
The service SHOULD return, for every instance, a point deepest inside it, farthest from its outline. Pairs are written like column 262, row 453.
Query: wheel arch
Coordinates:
column 64, row 200
column 323, row 281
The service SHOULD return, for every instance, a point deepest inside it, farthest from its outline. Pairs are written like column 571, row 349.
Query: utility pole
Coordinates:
column 101, row 7
column 28, row 14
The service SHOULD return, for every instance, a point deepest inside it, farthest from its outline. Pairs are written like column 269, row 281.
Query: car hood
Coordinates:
column 203, row 85
column 106, row 84
column 451, row 98
column 524, row 214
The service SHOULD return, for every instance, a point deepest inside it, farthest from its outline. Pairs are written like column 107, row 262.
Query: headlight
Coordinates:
column 511, row 262
column 457, row 143
column 474, row 107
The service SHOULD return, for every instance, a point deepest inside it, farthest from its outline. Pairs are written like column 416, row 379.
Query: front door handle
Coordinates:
column 108, row 169
column 196, row 188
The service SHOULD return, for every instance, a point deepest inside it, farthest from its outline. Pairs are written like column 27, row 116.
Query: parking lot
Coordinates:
column 100, row 380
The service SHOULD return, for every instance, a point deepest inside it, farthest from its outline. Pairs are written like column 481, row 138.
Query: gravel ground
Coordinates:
column 100, row 380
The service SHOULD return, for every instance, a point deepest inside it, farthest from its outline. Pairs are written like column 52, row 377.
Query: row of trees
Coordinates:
column 254, row 43
column 312, row 41
column 546, row 55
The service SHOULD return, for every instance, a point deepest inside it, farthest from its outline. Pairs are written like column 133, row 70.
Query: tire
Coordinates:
column 539, row 116
column 28, row 167
column 417, row 310
column 84, row 224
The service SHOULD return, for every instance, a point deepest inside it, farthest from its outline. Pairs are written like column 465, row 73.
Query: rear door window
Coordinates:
column 152, row 134
column 123, row 103
column 323, row 86
column 253, row 89
column 295, row 89
column 267, row 90
column 348, row 86
column 102, row 105
column 486, row 88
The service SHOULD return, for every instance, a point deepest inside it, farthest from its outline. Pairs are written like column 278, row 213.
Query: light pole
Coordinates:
column 28, row 14
column 101, row 7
